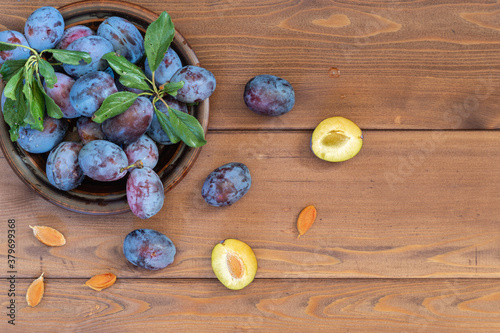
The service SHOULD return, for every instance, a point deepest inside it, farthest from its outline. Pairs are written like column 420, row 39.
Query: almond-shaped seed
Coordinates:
column 306, row 219
column 35, row 292
column 48, row 236
column 101, row 281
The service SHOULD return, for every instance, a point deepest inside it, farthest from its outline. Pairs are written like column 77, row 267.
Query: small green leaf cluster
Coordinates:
column 26, row 100
column 176, row 124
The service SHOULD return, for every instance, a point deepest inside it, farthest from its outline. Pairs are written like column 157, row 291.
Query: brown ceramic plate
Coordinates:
column 93, row 197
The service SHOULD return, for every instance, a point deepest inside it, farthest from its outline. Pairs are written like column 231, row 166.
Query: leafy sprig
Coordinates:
column 26, row 99
column 179, row 126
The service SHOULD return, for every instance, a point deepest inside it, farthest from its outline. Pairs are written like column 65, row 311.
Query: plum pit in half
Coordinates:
column 234, row 263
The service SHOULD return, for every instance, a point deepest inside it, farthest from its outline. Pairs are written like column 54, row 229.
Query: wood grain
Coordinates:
column 403, row 65
column 358, row 305
column 410, row 204
column 407, row 235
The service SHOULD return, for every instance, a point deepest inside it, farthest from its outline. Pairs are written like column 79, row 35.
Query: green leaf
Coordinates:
column 47, row 71
column 70, row 57
column 130, row 75
column 14, row 114
column 187, row 128
column 14, row 84
column 7, row 46
column 114, row 105
column 134, row 81
column 53, row 110
column 12, row 118
column 122, row 66
column 14, row 133
column 167, row 126
column 10, row 67
column 28, row 82
column 36, row 104
column 158, row 37
column 171, row 88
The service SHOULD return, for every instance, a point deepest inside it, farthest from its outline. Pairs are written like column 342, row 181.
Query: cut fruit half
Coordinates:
column 336, row 139
column 234, row 263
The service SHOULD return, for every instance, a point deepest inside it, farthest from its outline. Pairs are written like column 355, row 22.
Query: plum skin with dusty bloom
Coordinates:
column 269, row 95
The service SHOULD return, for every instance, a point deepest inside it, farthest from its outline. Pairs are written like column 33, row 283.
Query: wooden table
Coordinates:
column 407, row 237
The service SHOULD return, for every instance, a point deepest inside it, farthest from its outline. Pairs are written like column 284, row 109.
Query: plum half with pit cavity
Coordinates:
column 336, row 139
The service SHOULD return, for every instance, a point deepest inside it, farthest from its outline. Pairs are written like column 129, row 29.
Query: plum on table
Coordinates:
column 149, row 249
column 269, row 95
column 226, row 184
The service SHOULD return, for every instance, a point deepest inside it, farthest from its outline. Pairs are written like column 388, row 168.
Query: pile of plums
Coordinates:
column 105, row 151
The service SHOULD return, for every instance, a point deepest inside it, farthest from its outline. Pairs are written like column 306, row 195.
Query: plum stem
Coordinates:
column 163, row 101
column 20, row 45
column 138, row 164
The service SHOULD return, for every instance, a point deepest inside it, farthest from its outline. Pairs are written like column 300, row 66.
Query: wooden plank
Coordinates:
column 358, row 305
column 407, row 236
column 440, row 71
column 411, row 204
column 395, row 72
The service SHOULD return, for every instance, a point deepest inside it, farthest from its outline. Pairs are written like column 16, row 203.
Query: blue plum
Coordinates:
column 269, row 95
column 38, row 142
column 103, row 161
column 145, row 194
column 89, row 130
column 3, row 99
column 96, row 47
column 62, row 167
column 149, row 249
column 145, row 150
column 73, row 33
column 60, row 94
column 199, row 84
column 170, row 64
column 44, row 28
column 155, row 131
column 226, row 184
column 125, row 37
column 13, row 37
column 90, row 90
column 130, row 125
